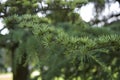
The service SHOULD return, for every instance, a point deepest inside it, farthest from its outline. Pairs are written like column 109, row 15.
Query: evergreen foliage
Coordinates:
column 67, row 53
column 60, row 45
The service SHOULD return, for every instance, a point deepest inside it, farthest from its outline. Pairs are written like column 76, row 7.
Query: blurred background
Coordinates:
column 21, row 58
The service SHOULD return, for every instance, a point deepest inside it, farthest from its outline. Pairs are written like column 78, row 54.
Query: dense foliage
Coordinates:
column 59, row 45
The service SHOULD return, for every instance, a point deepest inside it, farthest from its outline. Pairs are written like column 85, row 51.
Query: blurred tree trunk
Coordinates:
column 20, row 72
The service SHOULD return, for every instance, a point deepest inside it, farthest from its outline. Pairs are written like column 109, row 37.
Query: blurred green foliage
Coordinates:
column 60, row 44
